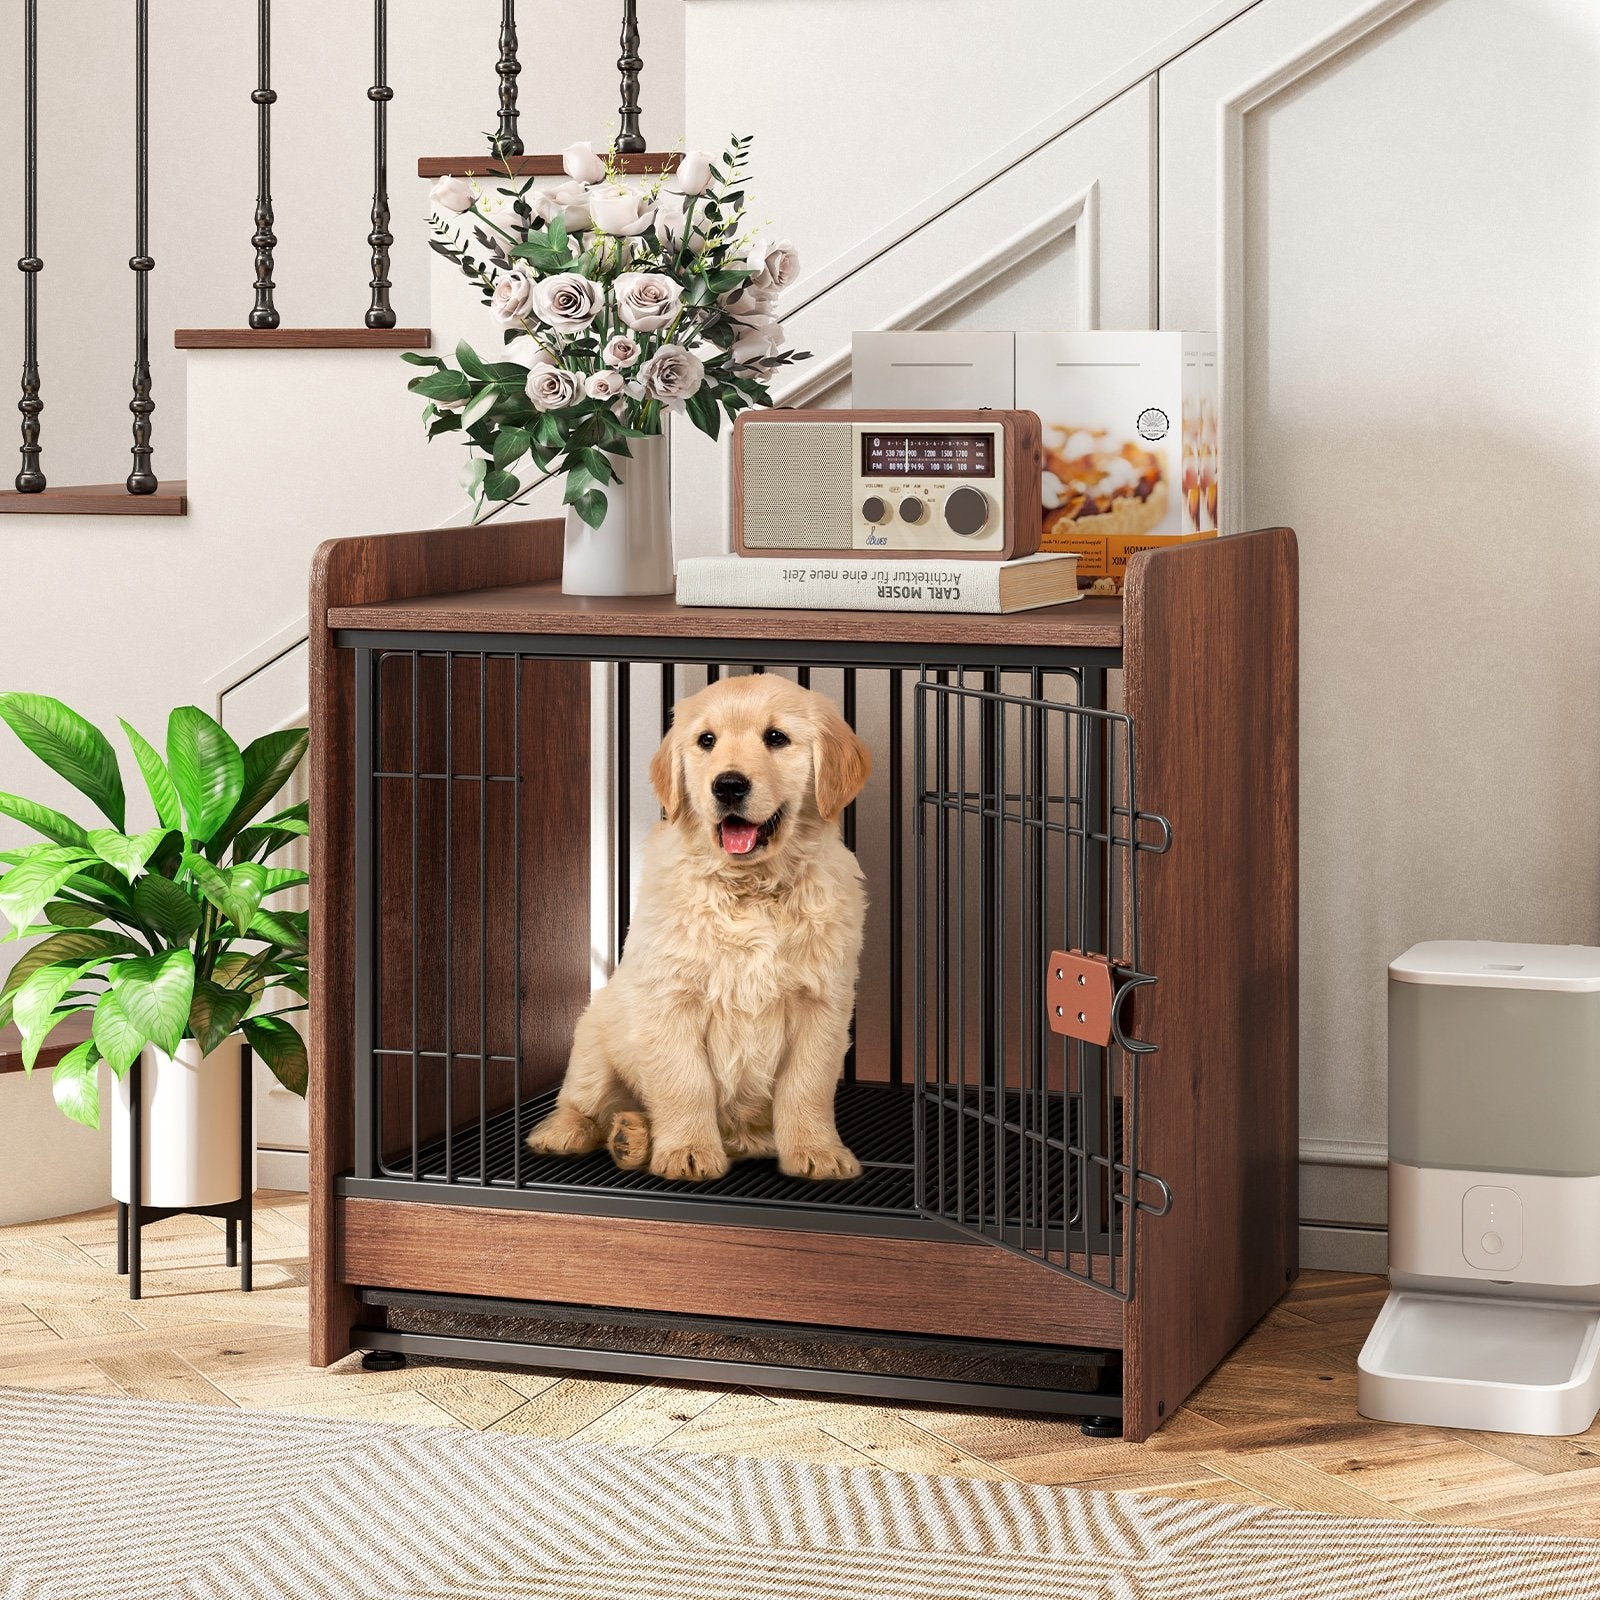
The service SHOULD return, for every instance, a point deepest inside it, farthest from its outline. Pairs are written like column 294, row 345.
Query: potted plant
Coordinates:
column 162, row 936
column 621, row 300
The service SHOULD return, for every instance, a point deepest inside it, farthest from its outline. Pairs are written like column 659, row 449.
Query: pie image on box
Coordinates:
column 1092, row 490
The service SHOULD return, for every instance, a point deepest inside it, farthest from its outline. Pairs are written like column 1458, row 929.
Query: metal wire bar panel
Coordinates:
column 1029, row 840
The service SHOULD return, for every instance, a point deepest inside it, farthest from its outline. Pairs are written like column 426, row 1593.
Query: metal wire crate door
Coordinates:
column 1028, row 842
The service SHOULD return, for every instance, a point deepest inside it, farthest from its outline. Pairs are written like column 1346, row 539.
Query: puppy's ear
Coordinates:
column 666, row 776
column 842, row 764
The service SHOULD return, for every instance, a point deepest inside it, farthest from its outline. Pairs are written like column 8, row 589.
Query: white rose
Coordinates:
column 451, row 194
column 569, row 201
column 694, row 172
column 530, row 353
column 620, row 212
column 551, row 388
column 579, row 161
column 512, row 298
column 647, row 301
column 748, row 303
column 621, row 351
column 672, row 374
column 603, row 385
column 567, row 302
column 775, row 263
column 762, row 337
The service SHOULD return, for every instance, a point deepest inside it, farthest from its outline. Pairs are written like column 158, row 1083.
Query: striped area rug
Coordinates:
column 140, row 1500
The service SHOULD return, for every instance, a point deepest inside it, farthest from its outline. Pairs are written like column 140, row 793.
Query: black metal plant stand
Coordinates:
column 133, row 1214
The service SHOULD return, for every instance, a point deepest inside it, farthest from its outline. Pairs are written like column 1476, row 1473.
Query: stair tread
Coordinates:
column 302, row 338
column 98, row 500
column 536, row 166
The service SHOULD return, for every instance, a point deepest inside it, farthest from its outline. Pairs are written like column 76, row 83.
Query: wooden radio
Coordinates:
column 894, row 483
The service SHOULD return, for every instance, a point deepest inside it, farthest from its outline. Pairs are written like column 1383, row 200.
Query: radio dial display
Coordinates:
column 927, row 455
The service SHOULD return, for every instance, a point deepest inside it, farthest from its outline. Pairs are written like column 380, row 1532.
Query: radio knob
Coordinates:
column 875, row 508
column 966, row 511
column 912, row 509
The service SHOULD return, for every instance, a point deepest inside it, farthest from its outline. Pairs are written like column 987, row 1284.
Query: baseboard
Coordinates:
column 1330, row 1247
column 283, row 1169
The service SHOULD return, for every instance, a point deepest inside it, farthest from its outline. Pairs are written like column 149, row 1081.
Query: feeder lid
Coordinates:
column 1482, row 964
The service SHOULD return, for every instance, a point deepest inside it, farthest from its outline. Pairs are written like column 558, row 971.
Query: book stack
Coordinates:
column 879, row 583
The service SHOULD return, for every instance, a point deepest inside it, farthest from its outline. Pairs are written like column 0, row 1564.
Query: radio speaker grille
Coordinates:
column 797, row 480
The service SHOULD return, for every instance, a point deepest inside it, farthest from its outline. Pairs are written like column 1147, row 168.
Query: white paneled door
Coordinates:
column 1392, row 211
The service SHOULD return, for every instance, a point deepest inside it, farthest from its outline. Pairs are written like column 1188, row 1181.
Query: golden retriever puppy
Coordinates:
column 722, row 1032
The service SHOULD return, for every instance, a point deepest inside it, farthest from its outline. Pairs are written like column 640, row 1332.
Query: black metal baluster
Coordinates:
column 30, row 480
column 629, row 140
column 506, row 141
column 380, row 314
column 141, row 480
column 265, row 314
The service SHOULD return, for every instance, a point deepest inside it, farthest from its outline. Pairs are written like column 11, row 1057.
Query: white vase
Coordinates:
column 190, row 1127
column 631, row 551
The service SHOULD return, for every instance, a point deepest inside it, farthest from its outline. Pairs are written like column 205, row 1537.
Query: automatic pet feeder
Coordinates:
column 1493, row 1316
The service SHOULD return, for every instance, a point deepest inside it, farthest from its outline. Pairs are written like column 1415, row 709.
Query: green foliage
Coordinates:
column 191, row 950
column 701, row 243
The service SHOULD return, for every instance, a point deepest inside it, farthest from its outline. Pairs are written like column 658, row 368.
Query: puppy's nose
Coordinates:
column 730, row 787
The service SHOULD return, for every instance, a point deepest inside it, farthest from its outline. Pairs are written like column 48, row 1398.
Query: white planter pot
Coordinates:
column 631, row 551
column 190, row 1127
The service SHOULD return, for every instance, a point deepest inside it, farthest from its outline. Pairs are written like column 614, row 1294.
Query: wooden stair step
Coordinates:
column 536, row 166
column 99, row 500
column 302, row 338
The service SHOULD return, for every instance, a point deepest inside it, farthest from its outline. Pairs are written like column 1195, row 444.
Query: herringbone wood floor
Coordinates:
column 1275, row 1425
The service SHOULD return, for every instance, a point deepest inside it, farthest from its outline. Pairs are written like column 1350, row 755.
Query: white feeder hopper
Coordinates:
column 1493, row 1320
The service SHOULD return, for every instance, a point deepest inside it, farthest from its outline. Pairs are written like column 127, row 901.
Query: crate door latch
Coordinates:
column 1080, row 991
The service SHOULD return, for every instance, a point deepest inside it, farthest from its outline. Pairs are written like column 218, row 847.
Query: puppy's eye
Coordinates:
column 775, row 739
column 706, row 739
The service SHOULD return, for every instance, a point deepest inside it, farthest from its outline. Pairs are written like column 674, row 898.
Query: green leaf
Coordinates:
column 27, row 889
column 70, row 746
column 703, row 412
column 127, row 855
column 283, row 1050
column 116, row 1036
column 480, row 405
column 442, row 386
column 591, row 506
column 255, row 843
column 214, row 1013
column 156, row 777
column 74, row 944
column 154, row 993
column 281, row 927
column 467, row 360
column 235, row 891
column 34, row 1007
column 555, row 232
column 52, row 824
column 500, row 485
column 510, row 444
column 69, row 914
column 597, row 466
column 163, row 905
column 420, row 360
column 75, row 1084
column 269, row 762
column 207, row 769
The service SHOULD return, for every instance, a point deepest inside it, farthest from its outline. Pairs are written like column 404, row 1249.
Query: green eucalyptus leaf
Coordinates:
column 269, row 762
column 156, row 777
column 70, row 746
column 167, row 907
column 207, row 769
column 214, row 1012
column 116, row 1036
column 28, row 888
column 52, row 824
column 282, row 1048
column 154, row 993
column 126, row 855
column 75, row 1084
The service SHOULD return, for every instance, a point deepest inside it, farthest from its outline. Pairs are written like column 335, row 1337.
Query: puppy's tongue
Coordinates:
column 738, row 836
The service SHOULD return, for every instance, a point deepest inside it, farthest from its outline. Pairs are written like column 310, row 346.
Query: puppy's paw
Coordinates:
column 696, row 1162
column 749, row 1143
column 820, row 1161
column 566, row 1132
column 629, row 1142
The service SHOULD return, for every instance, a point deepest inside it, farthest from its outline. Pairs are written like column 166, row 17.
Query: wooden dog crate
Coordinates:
column 1063, row 1207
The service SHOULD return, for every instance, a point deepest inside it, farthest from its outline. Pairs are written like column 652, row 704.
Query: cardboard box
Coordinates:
column 1130, row 442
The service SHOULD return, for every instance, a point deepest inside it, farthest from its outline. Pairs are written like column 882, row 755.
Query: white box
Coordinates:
column 1130, row 442
column 905, row 370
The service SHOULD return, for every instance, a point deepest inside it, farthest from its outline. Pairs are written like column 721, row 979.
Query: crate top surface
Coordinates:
column 1094, row 623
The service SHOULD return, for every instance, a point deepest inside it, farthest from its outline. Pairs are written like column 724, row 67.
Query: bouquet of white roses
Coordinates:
column 620, row 299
